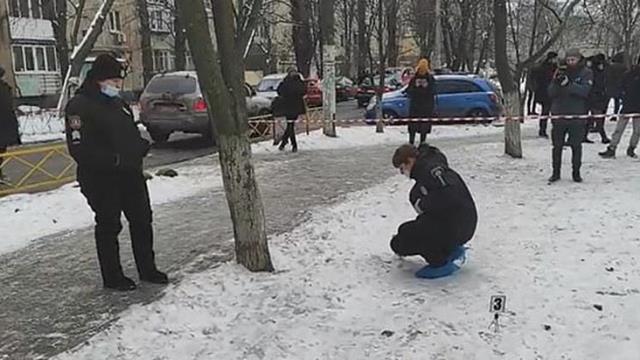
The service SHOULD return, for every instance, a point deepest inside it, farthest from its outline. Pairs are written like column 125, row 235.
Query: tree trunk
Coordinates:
column 327, row 26
column 180, row 43
column 83, row 49
column 392, row 32
column 76, row 23
column 362, row 36
column 221, row 80
column 145, row 41
column 381, row 68
column 59, row 15
column 302, row 41
column 513, row 145
column 437, row 44
column 5, row 46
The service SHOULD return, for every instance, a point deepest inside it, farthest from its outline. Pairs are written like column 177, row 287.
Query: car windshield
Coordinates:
column 269, row 84
column 172, row 84
column 389, row 81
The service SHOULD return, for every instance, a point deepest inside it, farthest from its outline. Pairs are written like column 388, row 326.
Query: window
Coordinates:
column 41, row 64
column 26, row 8
column 35, row 58
column 189, row 61
column 160, row 20
column 456, row 87
column 163, row 60
column 114, row 21
column 52, row 60
column 172, row 84
column 18, row 59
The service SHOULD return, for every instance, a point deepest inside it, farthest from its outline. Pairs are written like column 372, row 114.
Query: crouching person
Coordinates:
column 447, row 215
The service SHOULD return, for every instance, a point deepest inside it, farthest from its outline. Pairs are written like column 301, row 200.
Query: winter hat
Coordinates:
column 423, row 67
column 573, row 53
column 291, row 70
column 105, row 67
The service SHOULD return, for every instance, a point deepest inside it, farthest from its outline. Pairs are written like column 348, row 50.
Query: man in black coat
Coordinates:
column 447, row 215
column 106, row 144
column 615, row 77
column 9, row 131
column 291, row 92
column 569, row 92
column 598, row 99
column 543, row 75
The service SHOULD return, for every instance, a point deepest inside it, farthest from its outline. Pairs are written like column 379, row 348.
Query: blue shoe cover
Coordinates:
column 430, row 272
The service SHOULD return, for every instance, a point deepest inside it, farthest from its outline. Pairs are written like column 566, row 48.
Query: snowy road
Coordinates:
column 51, row 298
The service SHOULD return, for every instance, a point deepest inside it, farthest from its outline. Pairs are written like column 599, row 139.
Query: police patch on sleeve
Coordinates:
column 75, row 123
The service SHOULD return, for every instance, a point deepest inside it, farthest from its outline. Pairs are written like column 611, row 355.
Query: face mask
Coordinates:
column 110, row 91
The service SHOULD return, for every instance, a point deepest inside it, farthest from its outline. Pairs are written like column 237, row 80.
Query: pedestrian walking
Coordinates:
column 615, row 80
column 630, row 105
column 569, row 92
column 291, row 91
column 422, row 101
column 9, row 130
column 598, row 99
column 544, row 75
column 531, row 92
column 106, row 144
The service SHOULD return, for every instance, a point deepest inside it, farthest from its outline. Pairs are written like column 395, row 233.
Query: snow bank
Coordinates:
column 555, row 251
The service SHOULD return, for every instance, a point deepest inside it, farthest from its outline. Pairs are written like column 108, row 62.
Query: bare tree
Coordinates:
column 509, row 75
column 392, row 8
column 303, row 43
column 57, row 12
column 145, row 40
column 84, row 48
column 221, row 78
column 362, row 47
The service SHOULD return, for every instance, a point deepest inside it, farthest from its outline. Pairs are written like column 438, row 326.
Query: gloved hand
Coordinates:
column 146, row 146
column 563, row 80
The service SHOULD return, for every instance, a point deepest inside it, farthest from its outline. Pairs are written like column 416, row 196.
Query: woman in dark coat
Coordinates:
column 291, row 91
column 422, row 94
column 9, row 134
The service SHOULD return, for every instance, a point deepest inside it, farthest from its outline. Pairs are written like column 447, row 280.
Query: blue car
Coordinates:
column 458, row 96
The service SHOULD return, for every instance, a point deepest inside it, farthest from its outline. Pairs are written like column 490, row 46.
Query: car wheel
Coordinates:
column 478, row 113
column 159, row 137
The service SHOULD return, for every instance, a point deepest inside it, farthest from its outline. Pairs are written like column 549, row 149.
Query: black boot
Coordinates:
column 631, row 153
column 155, row 277
column 576, row 176
column 606, row 140
column 122, row 284
column 294, row 149
column 554, row 177
column 281, row 147
column 586, row 140
column 543, row 134
column 609, row 153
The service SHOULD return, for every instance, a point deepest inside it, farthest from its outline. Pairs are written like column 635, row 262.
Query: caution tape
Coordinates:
column 457, row 120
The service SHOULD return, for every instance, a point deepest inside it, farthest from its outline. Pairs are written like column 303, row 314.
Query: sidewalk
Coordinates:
column 51, row 295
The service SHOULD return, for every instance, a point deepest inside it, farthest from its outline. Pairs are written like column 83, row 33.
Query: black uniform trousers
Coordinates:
column 109, row 196
column 576, row 130
column 418, row 127
column 597, row 124
column 426, row 237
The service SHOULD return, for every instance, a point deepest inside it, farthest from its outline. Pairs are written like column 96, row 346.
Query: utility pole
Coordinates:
column 5, row 45
column 437, row 53
column 381, row 69
column 327, row 26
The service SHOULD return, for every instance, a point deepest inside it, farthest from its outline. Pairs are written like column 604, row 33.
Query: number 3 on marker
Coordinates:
column 498, row 303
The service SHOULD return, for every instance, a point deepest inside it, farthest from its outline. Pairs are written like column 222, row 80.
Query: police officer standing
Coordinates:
column 569, row 92
column 105, row 142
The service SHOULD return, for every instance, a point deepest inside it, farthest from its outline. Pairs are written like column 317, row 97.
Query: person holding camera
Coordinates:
column 569, row 92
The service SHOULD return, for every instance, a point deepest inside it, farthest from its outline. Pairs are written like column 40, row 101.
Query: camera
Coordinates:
column 561, row 76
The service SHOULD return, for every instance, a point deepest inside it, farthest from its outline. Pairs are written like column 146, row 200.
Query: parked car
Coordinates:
column 367, row 89
column 457, row 96
column 268, row 86
column 345, row 89
column 313, row 92
column 173, row 102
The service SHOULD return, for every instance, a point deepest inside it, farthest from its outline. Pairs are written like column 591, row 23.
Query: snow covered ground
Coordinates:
column 564, row 255
column 37, row 215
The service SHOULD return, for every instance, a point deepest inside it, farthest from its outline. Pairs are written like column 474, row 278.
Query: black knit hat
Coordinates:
column 106, row 66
